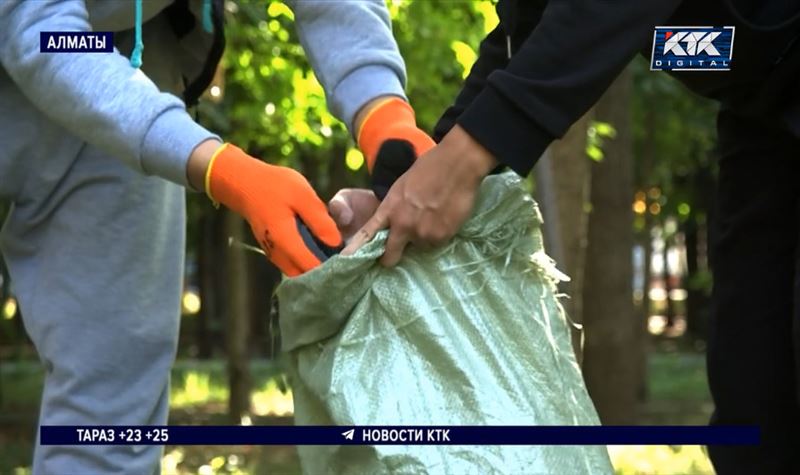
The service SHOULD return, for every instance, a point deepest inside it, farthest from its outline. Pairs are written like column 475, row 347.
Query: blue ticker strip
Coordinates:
column 399, row 435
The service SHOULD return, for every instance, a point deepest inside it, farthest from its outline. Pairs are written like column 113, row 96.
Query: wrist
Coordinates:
column 230, row 178
column 199, row 161
column 383, row 119
column 470, row 157
column 365, row 111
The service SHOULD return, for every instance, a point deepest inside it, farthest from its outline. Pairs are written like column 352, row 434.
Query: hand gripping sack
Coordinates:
column 468, row 334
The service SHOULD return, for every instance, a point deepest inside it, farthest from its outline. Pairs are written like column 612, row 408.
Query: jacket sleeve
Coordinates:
column 493, row 54
column 349, row 44
column 99, row 98
column 564, row 65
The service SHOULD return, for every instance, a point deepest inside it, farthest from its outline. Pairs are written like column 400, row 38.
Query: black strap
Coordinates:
column 195, row 89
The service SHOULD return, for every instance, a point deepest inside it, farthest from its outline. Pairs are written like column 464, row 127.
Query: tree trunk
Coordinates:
column 643, row 313
column 265, row 277
column 698, row 299
column 562, row 183
column 238, row 312
column 609, row 317
column 210, row 252
column 646, row 240
column 669, row 308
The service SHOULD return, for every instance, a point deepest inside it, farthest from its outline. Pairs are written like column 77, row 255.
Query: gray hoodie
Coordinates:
column 134, row 114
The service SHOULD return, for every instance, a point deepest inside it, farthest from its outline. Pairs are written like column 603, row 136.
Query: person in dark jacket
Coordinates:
column 540, row 70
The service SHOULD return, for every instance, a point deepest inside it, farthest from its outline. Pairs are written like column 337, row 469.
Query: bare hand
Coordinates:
column 429, row 203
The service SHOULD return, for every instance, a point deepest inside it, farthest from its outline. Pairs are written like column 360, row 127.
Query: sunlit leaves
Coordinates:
column 489, row 13
column 604, row 129
column 276, row 9
column 354, row 159
column 674, row 133
column 244, row 58
column 594, row 152
column 426, row 31
column 394, row 7
column 465, row 56
column 308, row 101
column 274, row 107
column 278, row 63
column 272, row 101
column 660, row 459
column 595, row 134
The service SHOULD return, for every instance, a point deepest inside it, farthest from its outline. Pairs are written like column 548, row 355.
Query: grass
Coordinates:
column 677, row 390
column 677, row 394
column 660, row 460
column 193, row 383
column 678, row 377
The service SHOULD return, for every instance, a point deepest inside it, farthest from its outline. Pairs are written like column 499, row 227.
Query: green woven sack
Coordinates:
column 468, row 334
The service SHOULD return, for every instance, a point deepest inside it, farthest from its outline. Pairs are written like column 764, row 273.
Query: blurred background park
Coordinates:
column 627, row 202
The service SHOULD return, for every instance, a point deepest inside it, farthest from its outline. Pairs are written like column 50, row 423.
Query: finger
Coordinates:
column 286, row 266
column 293, row 250
column 395, row 245
column 273, row 245
column 367, row 232
column 340, row 210
column 315, row 215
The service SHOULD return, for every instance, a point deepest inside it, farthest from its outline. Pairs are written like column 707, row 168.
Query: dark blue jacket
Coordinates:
column 565, row 53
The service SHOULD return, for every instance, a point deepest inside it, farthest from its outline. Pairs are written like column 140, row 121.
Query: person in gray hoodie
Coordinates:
column 95, row 154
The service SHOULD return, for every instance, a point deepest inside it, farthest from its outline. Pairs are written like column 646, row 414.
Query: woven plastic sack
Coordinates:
column 469, row 334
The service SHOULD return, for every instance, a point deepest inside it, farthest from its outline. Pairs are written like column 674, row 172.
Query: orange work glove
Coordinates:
column 391, row 119
column 271, row 198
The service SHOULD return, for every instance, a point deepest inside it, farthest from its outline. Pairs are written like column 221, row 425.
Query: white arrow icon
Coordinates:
column 348, row 434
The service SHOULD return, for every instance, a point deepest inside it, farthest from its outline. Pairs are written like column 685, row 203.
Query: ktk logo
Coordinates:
column 697, row 42
column 692, row 48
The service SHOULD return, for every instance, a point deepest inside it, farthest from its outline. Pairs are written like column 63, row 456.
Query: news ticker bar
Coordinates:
column 399, row 435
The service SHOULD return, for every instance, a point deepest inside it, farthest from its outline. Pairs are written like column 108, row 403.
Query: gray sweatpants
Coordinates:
column 96, row 259
column 95, row 250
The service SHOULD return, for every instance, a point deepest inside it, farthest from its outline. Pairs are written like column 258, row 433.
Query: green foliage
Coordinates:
column 671, row 124
column 595, row 135
column 271, row 103
column 438, row 40
column 702, row 281
column 674, row 132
